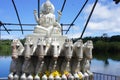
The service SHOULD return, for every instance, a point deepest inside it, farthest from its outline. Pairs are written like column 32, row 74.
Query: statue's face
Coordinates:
column 48, row 8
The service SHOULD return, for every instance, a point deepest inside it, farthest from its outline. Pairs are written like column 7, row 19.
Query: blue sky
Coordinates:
column 105, row 18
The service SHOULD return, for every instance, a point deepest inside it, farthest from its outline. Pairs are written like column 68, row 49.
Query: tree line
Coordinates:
column 105, row 47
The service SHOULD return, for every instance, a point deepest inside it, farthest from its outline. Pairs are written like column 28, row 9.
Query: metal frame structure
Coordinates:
column 77, row 16
column 17, row 15
column 62, row 8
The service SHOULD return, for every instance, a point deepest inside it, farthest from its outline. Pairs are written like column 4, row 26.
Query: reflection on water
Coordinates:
column 108, row 66
column 106, row 62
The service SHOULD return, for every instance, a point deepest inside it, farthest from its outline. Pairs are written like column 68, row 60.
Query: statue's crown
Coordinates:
column 48, row 4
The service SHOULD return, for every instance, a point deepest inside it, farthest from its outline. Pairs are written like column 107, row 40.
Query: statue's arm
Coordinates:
column 56, row 24
column 36, row 17
column 59, row 16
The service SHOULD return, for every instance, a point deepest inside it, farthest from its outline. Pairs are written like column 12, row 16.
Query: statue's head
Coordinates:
column 47, row 7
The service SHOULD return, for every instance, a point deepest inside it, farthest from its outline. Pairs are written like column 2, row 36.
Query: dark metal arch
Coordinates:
column 38, row 8
column 17, row 15
column 88, row 18
column 77, row 16
column 1, row 24
column 63, row 6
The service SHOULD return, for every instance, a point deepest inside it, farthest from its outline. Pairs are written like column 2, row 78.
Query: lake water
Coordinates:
column 108, row 67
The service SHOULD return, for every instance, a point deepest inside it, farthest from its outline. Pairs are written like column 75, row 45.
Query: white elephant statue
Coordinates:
column 85, row 63
column 66, row 52
column 16, row 64
column 76, row 59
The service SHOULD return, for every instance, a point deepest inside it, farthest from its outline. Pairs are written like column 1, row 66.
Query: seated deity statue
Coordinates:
column 47, row 23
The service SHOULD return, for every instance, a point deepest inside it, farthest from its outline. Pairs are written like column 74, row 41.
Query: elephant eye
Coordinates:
column 57, row 47
column 17, row 46
column 44, row 47
column 31, row 45
column 52, row 46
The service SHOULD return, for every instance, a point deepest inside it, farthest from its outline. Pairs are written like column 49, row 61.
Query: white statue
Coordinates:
column 16, row 64
column 51, row 77
column 30, row 47
column 54, row 51
column 17, row 48
column 28, row 67
column 47, row 23
column 85, row 63
column 67, row 52
column 40, row 53
column 77, row 57
column 71, row 77
column 44, row 77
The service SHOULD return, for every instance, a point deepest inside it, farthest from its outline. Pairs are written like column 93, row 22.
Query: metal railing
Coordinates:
column 101, row 76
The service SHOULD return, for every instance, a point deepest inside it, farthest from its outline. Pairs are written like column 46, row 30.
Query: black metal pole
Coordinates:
column 17, row 15
column 29, row 24
column 38, row 8
column 6, row 29
column 63, row 5
column 77, row 16
column 88, row 18
column 1, row 24
column 19, row 24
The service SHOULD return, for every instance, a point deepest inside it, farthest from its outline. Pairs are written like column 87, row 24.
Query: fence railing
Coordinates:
column 101, row 76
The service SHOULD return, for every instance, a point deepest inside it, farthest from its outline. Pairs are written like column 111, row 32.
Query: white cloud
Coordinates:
column 105, row 18
column 100, row 11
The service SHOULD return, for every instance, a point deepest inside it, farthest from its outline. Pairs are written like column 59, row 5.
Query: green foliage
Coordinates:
column 115, row 38
column 5, row 48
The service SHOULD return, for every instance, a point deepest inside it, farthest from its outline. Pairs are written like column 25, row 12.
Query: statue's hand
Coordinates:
column 35, row 11
column 59, row 12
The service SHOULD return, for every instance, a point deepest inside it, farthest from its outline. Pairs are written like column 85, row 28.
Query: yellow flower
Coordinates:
column 55, row 73
column 66, row 73
column 80, row 76
column 47, row 73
